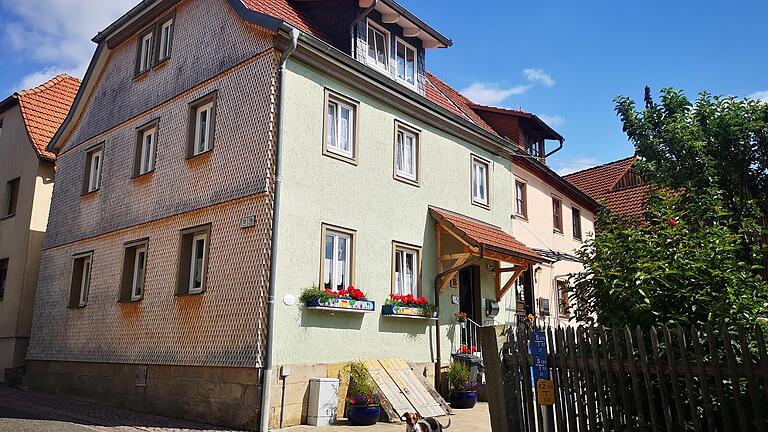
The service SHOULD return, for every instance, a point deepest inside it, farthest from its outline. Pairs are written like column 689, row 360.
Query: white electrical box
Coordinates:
column 323, row 401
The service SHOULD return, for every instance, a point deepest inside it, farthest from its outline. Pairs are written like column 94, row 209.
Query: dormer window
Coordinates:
column 534, row 146
column 378, row 47
column 406, row 63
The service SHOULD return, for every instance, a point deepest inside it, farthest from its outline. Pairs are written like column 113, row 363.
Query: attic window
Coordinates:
column 534, row 146
column 378, row 47
column 406, row 63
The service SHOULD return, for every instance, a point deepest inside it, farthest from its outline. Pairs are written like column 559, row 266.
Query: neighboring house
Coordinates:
column 28, row 120
column 224, row 155
column 616, row 185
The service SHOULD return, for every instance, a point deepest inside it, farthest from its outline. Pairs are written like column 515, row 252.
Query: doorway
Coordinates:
column 469, row 293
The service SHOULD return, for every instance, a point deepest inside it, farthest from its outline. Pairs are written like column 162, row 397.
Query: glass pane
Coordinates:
column 331, row 124
column 197, row 279
column 409, row 154
column 371, row 44
column 341, row 275
column 381, row 49
column 398, row 273
column 481, row 180
column 328, row 263
column 401, row 59
column 344, row 128
column 202, row 127
column 409, row 273
column 410, row 66
column 399, row 152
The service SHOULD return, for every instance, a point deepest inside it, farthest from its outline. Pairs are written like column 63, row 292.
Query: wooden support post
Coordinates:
column 492, row 339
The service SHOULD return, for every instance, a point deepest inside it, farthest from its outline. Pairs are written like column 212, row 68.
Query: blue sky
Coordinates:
column 562, row 60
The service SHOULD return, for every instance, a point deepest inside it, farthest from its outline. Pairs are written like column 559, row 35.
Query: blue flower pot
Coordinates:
column 463, row 400
column 363, row 415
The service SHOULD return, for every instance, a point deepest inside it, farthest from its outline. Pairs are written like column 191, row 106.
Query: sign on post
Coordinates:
column 539, row 354
column 545, row 390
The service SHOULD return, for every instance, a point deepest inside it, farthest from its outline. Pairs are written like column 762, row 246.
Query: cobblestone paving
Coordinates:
column 26, row 411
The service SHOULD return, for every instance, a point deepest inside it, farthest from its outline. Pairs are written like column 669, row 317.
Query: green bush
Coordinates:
column 458, row 376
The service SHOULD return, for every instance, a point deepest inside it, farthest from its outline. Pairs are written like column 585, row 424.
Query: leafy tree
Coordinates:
column 697, row 256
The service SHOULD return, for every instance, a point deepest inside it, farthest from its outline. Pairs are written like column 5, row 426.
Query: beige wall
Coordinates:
column 21, row 236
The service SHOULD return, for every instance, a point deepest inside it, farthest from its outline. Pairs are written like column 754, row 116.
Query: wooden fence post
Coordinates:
column 491, row 340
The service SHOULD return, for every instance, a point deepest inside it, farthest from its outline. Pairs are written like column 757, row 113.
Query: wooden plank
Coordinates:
column 522, row 348
column 593, row 346
column 494, row 379
column 633, row 374
column 629, row 421
column 396, row 403
column 688, row 378
column 763, row 356
column 592, row 412
column 679, row 414
column 582, row 409
column 725, row 410
column 731, row 361
column 613, row 394
column 412, row 388
column 746, row 355
column 666, row 413
column 501, row 292
column 557, row 380
column 647, row 379
column 518, row 400
column 704, row 380
column 428, row 385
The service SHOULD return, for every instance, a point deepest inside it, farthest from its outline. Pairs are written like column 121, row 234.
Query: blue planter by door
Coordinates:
column 363, row 415
column 463, row 400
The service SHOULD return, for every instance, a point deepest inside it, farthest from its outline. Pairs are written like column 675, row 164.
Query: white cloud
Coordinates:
column 538, row 75
column 491, row 94
column 553, row 121
column 760, row 95
column 56, row 33
column 564, row 167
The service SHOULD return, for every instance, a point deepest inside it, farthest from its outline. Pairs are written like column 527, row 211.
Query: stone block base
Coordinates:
column 228, row 397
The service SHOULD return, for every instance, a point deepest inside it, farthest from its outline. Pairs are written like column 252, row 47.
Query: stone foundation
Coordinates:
column 229, row 397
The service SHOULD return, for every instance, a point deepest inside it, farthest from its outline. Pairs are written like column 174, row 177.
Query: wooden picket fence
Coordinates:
column 660, row 380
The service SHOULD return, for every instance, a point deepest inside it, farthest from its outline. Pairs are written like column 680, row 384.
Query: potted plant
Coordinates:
column 409, row 306
column 349, row 299
column 461, row 317
column 363, row 401
column 464, row 349
column 463, row 392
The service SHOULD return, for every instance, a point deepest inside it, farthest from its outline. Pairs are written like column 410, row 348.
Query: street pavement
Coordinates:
column 26, row 411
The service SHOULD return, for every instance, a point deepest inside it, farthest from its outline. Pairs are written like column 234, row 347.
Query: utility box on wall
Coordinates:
column 323, row 401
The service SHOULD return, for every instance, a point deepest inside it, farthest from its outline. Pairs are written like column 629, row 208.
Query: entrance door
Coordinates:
column 524, row 294
column 469, row 293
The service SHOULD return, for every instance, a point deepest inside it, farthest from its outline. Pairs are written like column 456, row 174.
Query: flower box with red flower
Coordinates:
column 349, row 299
column 408, row 306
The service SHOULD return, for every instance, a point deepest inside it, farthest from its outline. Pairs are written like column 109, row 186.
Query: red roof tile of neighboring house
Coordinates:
column 602, row 184
column 44, row 108
column 458, row 100
column 479, row 233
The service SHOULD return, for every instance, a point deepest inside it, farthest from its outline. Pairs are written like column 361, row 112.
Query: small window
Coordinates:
column 146, row 149
column 338, row 254
column 202, row 124
column 406, row 153
column 534, row 146
column 576, row 219
column 134, row 271
column 406, row 63
column 378, row 47
column 521, row 199
column 479, row 181
column 405, row 277
column 565, row 303
column 81, row 280
column 193, row 260
column 11, row 197
column 145, row 52
column 557, row 215
column 94, row 161
column 340, row 127
column 165, row 40
column 3, row 276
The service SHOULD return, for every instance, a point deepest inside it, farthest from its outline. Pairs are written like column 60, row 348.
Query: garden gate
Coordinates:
column 662, row 380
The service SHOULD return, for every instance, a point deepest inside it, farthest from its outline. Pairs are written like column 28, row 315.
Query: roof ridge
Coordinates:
column 48, row 84
column 599, row 166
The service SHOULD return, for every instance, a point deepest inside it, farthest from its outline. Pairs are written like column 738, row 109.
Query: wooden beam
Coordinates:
column 503, row 291
column 447, row 278
column 461, row 239
column 439, row 246
column 506, row 269
column 453, row 256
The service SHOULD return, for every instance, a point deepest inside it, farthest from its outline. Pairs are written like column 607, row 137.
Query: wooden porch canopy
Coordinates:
column 476, row 236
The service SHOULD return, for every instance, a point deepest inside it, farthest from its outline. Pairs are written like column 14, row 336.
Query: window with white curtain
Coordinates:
column 337, row 259
column 340, row 124
column 406, row 271
column 406, row 154
column 479, row 181
column 378, row 47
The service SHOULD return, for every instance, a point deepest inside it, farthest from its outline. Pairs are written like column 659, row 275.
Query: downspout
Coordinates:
column 438, row 279
column 353, row 27
column 266, row 385
column 559, row 147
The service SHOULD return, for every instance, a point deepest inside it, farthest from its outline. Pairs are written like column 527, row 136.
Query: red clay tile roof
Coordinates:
column 600, row 183
column 285, row 11
column 458, row 101
column 479, row 233
column 44, row 108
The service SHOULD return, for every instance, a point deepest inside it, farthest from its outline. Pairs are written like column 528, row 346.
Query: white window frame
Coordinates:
column 85, row 279
column 405, row 133
column 145, row 57
column 202, row 143
column 203, row 264
column 137, row 283
column 147, row 161
column 166, row 35
column 521, row 198
column 480, row 192
column 333, row 135
column 374, row 62
column 404, row 79
column 399, row 281
column 94, row 171
column 331, row 267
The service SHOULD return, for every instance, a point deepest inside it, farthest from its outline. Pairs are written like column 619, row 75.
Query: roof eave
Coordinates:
column 421, row 24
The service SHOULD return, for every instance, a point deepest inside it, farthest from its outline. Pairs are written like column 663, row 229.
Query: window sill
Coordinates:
column 7, row 216
column 189, row 294
column 481, row 205
column 520, row 217
column 199, row 155
column 578, row 240
column 141, row 75
column 143, row 176
column 406, row 180
column 77, row 307
column 90, row 193
column 341, row 157
column 132, row 301
column 558, row 232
